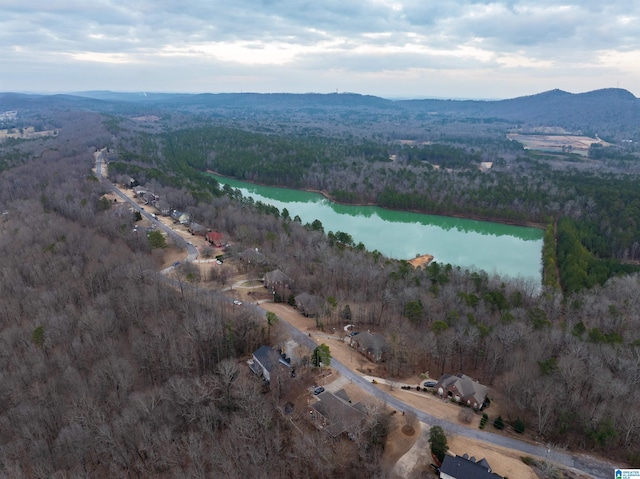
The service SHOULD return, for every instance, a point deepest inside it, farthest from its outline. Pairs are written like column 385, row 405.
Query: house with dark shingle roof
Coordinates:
column 336, row 415
column 372, row 345
column 266, row 361
column 253, row 256
column 197, row 229
column 276, row 279
column 465, row 467
column 463, row 389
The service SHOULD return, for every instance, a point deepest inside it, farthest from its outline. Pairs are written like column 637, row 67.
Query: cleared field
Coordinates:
column 27, row 133
column 557, row 143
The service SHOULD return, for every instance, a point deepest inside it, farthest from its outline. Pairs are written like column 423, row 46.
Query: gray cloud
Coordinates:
column 261, row 43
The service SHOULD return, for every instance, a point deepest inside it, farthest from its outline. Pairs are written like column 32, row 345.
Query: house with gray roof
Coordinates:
column 276, row 280
column 197, row 229
column 463, row 389
column 336, row 415
column 253, row 256
column 265, row 362
column 373, row 345
column 465, row 467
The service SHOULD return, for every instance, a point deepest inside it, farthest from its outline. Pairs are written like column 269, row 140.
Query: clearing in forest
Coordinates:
column 557, row 143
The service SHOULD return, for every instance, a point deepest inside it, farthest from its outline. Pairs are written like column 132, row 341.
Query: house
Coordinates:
column 253, row 256
column 163, row 207
column 149, row 198
column 336, row 415
column 308, row 304
column 276, row 280
column 129, row 182
column 215, row 238
column 372, row 345
column 465, row 467
column 266, row 361
column 463, row 389
column 197, row 229
column 180, row 217
column 139, row 191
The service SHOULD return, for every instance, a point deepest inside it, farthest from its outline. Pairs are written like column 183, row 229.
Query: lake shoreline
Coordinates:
column 528, row 224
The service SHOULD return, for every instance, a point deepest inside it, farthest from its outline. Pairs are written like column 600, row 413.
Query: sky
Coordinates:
column 389, row 48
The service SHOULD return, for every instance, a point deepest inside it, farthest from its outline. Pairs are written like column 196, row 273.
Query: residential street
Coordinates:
column 580, row 463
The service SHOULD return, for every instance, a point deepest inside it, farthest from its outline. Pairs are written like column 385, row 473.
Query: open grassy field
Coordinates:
column 27, row 133
column 557, row 143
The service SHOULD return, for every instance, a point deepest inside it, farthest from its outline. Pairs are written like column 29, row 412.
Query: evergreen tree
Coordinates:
column 438, row 440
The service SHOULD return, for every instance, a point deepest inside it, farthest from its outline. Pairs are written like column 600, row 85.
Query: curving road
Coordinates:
column 583, row 464
column 579, row 463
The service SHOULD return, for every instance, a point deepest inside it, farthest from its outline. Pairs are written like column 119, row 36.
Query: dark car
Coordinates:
column 317, row 391
column 430, row 384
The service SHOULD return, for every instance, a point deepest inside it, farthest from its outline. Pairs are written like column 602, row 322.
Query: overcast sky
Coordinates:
column 393, row 49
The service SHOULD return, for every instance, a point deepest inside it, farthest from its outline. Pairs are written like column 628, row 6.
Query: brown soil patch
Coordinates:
column 423, row 260
column 408, row 430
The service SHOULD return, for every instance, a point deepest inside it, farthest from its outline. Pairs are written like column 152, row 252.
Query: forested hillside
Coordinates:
column 107, row 370
column 441, row 178
column 560, row 363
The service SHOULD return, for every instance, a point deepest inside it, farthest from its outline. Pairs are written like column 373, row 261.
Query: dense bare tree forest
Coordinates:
column 562, row 364
column 107, row 371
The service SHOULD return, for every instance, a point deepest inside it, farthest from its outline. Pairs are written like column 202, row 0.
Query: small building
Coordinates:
column 265, row 362
column 374, row 346
column 465, row 467
column 215, row 238
column 463, row 389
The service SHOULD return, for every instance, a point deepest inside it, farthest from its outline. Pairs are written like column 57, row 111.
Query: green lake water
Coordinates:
column 510, row 251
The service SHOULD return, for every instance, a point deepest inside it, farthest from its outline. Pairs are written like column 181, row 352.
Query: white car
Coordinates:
column 237, row 302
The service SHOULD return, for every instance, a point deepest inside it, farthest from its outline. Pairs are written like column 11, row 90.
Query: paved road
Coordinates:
column 582, row 464
column 192, row 251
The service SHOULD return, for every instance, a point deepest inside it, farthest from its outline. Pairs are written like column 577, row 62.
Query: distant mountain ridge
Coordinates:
column 611, row 111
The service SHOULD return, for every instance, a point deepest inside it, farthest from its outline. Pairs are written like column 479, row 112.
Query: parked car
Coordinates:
column 317, row 391
column 219, row 261
column 430, row 384
column 176, row 263
column 237, row 302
